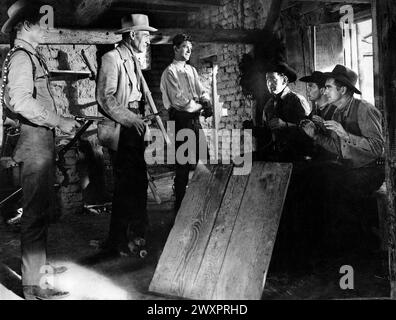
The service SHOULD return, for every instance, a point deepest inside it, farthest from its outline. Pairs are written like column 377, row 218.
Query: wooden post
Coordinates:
column 216, row 112
column 384, row 23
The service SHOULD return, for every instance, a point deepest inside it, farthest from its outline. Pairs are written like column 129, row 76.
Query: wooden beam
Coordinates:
column 384, row 31
column 164, row 36
column 87, row 11
column 273, row 15
column 154, row 9
column 337, row 1
column 180, row 3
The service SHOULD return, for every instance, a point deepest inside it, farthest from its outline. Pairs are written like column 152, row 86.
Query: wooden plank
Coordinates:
column 6, row 294
column 187, row 241
column 163, row 36
column 250, row 248
column 220, row 246
column 216, row 112
column 208, row 275
column 384, row 13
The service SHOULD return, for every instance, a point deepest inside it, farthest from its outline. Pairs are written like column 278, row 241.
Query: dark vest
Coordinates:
column 349, row 118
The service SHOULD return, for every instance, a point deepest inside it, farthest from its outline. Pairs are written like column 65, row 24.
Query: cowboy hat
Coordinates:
column 282, row 67
column 17, row 12
column 344, row 75
column 316, row 77
column 135, row 22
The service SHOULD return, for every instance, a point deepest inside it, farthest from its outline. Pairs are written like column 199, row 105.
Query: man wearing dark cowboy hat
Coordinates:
column 356, row 128
column 283, row 112
column 321, row 109
column 27, row 96
column 119, row 93
column 354, row 138
column 316, row 87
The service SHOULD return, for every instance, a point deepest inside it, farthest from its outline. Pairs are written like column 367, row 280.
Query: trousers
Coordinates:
column 186, row 120
column 129, row 215
column 35, row 152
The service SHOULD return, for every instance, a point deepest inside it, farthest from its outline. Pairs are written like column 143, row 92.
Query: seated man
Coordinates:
column 316, row 87
column 283, row 113
column 321, row 109
column 355, row 139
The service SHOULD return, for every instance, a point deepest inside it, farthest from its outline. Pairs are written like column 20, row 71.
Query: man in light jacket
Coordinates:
column 119, row 93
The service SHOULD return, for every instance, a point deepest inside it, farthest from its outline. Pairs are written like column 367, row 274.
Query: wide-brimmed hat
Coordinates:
column 17, row 12
column 316, row 77
column 344, row 75
column 135, row 22
column 283, row 67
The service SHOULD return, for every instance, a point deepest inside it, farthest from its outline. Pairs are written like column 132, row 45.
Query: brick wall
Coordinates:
column 234, row 14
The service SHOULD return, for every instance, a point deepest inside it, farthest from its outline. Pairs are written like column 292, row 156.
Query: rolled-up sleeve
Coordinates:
column 371, row 143
column 359, row 149
column 202, row 92
column 20, row 88
column 172, row 95
column 106, row 89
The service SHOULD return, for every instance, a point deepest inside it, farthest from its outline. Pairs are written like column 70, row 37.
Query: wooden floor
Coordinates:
column 69, row 243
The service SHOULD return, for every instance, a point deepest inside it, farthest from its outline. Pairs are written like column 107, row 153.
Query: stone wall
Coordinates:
column 85, row 169
column 77, row 97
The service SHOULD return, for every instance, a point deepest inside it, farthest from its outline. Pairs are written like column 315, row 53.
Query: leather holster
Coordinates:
column 109, row 134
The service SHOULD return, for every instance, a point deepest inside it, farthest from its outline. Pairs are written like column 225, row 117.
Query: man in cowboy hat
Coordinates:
column 321, row 109
column 316, row 87
column 356, row 125
column 283, row 112
column 119, row 93
column 354, row 138
column 28, row 98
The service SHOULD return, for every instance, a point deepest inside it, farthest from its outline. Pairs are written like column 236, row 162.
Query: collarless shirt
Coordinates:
column 40, row 110
column 181, row 87
column 132, row 62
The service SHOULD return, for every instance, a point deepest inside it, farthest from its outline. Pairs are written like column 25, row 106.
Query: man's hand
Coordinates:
column 207, row 110
column 337, row 128
column 68, row 125
column 206, row 103
column 309, row 128
column 276, row 124
column 138, row 123
column 319, row 122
